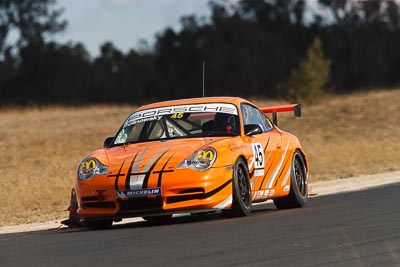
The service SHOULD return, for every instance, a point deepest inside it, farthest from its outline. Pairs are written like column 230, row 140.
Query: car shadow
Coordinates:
column 201, row 217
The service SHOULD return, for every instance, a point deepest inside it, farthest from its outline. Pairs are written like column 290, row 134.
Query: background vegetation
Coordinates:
column 251, row 48
column 258, row 49
column 343, row 136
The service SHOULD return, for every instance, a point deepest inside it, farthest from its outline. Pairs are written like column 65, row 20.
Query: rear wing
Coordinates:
column 282, row 108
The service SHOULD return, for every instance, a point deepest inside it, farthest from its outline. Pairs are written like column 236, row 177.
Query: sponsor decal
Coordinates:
column 205, row 154
column 286, row 188
column 272, row 192
column 202, row 160
column 261, row 194
column 88, row 165
column 175, row 111
column 121, row 138
column 233, row 147
column 153, row 118
column 147, row 192
column 177, row 115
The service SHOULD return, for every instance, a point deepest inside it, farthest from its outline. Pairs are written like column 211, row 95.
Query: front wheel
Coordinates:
column 298, row 194
column 241, row 191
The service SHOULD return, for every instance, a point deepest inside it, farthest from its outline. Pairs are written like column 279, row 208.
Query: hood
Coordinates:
column 141, row 157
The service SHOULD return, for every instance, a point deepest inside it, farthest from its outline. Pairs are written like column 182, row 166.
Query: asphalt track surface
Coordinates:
column 350, row 229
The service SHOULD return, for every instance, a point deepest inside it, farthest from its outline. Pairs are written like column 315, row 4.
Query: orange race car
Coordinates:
column 188, row 156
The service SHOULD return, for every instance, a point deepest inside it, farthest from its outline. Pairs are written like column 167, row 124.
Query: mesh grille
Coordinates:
column 142, row 204
column 104, row 204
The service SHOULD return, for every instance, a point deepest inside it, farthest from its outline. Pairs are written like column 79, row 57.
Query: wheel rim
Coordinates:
column 244, row 186
column 300, row 178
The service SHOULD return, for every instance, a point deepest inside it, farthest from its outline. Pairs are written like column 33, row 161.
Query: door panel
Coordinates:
column 265, row 174
column 268, row 154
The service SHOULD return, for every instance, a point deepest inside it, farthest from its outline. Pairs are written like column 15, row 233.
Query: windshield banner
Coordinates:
column 157, row 113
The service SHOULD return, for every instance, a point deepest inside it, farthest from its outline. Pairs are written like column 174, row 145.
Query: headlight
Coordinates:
column 201, row 161
column 90, row 167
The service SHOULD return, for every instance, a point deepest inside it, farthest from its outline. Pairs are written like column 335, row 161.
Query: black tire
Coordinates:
column 241, row 191
column 159, row 219
column 98, row 225
column 298, row 194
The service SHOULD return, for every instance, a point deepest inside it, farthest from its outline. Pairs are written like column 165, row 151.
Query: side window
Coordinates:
column 268, row 124
column 252, row 115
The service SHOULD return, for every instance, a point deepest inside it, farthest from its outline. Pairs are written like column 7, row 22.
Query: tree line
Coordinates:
column 267, row 48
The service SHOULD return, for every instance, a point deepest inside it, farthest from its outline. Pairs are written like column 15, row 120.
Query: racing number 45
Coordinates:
column 258, row 155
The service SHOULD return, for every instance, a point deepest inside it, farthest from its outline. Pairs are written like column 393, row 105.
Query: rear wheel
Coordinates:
column 298, row 185
column 241, row 191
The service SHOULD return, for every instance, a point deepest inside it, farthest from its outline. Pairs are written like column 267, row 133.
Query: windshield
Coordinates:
column 184, row 121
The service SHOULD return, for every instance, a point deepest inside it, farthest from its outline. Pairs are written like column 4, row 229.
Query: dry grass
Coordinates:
column 349, row 135
column 40, row 148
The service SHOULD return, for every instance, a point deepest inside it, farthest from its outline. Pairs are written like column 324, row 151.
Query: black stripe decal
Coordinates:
column 118, row 175
column 287, row 160
column 160, row 173
column 270, row 165
column 146, row 178
column 266, row 145
column 176, row 199
column 252, row 174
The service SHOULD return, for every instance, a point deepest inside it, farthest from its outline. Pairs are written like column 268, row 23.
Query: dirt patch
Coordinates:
column 362, row 182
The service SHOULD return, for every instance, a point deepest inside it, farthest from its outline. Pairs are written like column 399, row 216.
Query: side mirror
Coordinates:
column 108, row 142
column 252, row 129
